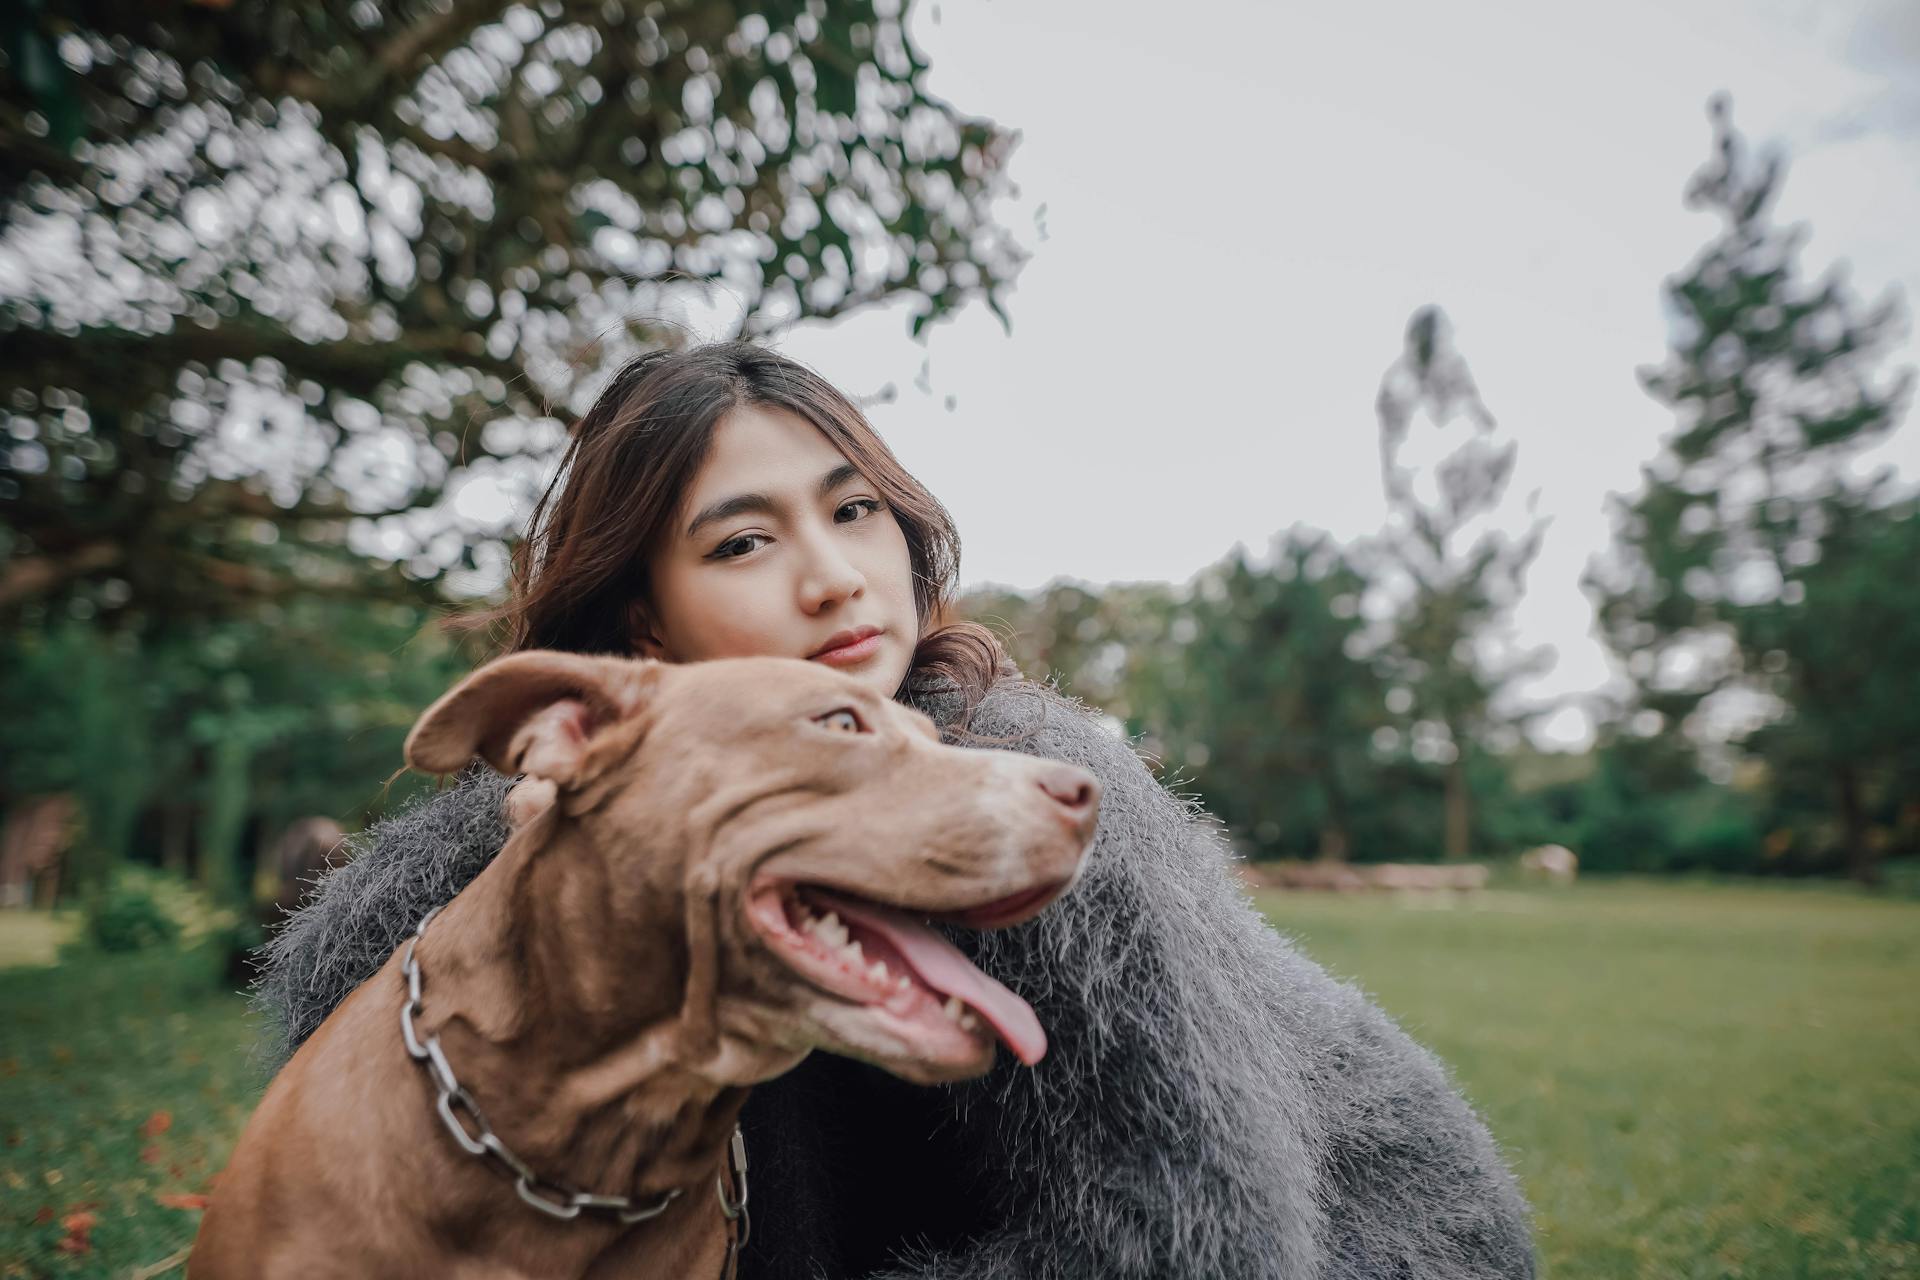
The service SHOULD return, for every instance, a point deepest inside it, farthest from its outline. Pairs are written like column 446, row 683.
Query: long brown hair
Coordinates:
column 580, row 577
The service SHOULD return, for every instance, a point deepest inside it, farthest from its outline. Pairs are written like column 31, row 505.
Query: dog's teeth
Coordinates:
column 953, row 1008
column 903, row 982
column 968, row 1022
column 878, row 971
column 832, row 932
column 852, row 952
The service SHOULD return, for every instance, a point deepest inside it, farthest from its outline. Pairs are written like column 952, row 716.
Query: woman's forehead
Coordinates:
column 764, row 450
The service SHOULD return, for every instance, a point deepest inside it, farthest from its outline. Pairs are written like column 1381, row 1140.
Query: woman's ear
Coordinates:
column 641, row 638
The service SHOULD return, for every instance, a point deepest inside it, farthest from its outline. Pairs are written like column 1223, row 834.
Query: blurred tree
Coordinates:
column 1459, row 572
column 1748, row 570
column 1247, row 684
column 76, row 716
column 298, row 709
column 1098, row 643
column 1271, row 699
column 1841, row 662
column 272, row 267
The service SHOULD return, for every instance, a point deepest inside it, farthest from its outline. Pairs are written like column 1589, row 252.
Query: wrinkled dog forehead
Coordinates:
column 767, row 691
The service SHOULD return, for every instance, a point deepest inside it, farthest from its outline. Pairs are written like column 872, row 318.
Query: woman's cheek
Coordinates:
column 745, row 629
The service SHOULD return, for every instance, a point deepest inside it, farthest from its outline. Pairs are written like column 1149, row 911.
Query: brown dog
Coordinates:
column 717, row 869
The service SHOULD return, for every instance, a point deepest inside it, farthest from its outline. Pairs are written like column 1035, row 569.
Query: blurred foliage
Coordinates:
column 1253, row 688
column 281, row 279
column 1760, row 572
column 277, row 267
column 1264, row 699
column 128, row 915
column 198, row 742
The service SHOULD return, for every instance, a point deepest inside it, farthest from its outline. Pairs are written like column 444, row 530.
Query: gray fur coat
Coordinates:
column 1213, row 1104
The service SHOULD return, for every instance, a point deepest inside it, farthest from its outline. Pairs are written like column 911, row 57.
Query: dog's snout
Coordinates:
column 1073, row 789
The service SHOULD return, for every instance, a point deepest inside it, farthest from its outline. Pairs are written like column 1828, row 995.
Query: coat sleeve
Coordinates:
column 364, row 907
column 1213, row 1103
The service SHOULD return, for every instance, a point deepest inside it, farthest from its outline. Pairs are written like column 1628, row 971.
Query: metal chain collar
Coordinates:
column 555, row 1199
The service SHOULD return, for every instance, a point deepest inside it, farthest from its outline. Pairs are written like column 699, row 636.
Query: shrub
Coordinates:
column 141, row 908
column 127, row 917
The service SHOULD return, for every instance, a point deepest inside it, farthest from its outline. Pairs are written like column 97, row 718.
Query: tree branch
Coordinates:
column 32, row 576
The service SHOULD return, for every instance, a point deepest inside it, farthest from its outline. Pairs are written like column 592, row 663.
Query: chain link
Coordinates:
column 735, row 1209
column 554, row 1199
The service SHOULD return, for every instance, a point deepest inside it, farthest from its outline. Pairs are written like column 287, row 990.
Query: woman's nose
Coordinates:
column 828, row 578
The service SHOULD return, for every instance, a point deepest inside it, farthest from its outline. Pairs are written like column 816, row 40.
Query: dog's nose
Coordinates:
column 1075, row 790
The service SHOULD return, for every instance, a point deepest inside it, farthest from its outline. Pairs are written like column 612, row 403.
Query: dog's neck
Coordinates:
column 608, row 1086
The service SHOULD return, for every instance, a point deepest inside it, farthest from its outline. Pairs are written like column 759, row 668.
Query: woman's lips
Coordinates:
column 848, row 654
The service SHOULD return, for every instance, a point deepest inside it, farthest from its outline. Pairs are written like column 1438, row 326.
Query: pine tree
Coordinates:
column 1460, row 572
column 1777, row 387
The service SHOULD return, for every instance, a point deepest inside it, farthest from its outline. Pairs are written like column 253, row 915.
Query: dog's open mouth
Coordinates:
column 883, row 956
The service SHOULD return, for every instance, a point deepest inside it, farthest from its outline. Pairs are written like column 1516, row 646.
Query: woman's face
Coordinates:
column 781, row 548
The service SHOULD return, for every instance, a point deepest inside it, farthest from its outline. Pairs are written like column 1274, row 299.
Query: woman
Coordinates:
column 1212, row 1105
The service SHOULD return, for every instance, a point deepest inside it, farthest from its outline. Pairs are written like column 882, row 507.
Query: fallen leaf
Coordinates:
column 43, row 1217
column 78, row 1227
column 183, row 1200
column 157, row 1123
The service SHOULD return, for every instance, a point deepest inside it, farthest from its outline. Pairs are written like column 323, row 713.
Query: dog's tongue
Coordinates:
column 942, row 967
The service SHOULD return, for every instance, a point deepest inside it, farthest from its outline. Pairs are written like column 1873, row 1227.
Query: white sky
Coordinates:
column 1242, row 208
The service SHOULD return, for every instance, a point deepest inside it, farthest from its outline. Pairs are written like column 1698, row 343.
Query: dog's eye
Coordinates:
column 843, row 721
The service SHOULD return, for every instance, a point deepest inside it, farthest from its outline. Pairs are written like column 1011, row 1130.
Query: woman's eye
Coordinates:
column 869, row 505
column 843, row 721
column 722, row 552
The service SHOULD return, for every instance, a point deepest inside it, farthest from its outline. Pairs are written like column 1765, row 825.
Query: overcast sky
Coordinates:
column 1232, row 216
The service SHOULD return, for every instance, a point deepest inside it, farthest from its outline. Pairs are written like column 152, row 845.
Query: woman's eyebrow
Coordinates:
column 761, row 504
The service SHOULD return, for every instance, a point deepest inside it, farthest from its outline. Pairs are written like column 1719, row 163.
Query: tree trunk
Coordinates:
column 1862, row 864
column 1459, row 807
column 176, row 834
column 228, row 794
column 1336, row 834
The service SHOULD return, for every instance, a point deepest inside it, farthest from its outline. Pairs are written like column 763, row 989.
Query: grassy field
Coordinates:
column 123, row 1083
column 1691, row 1080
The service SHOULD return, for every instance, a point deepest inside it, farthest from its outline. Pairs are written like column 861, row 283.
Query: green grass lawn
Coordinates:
column 123, row 1080
column 1691, row 1080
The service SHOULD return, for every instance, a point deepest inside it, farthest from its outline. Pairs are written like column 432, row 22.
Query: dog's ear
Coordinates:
column 535, row 713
